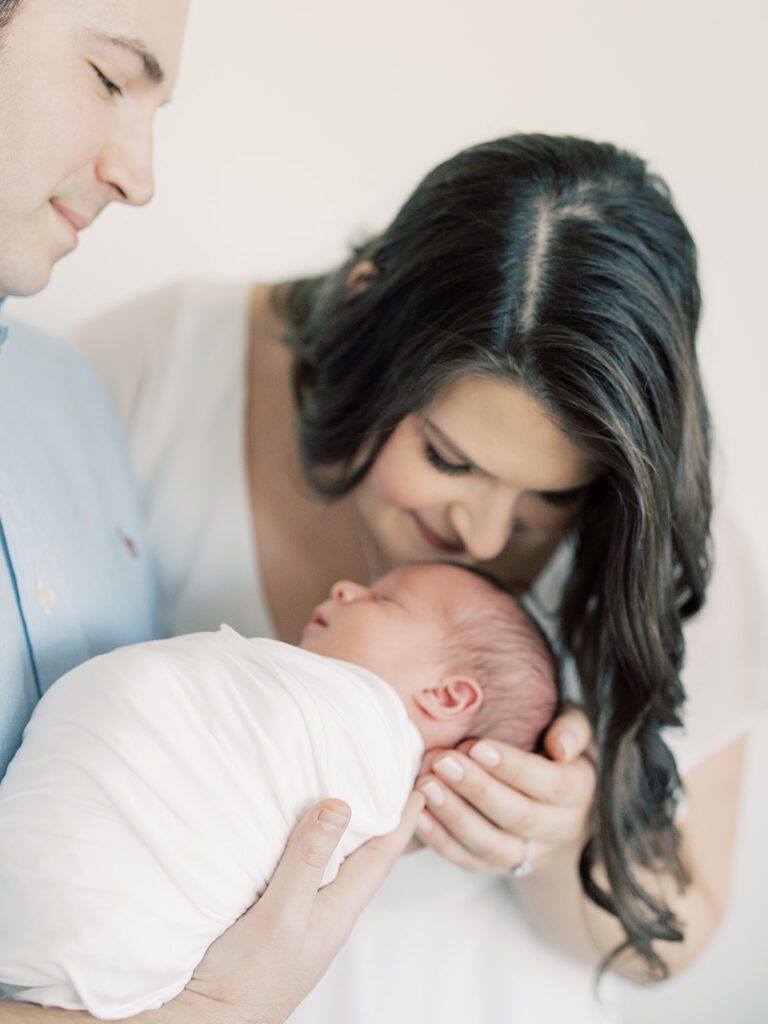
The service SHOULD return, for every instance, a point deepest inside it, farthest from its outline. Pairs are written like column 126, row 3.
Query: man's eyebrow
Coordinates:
column 138, row 48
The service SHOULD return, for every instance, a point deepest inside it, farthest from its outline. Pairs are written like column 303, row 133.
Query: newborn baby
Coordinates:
column 156, row 786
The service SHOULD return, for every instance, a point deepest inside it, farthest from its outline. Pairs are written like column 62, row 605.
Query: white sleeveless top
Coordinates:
column 437, row 943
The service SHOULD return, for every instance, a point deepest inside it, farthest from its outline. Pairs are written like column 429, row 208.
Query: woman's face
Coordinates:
column 480, row 476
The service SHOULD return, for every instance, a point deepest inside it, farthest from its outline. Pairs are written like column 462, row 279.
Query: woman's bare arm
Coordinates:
column 552, row 897
column 480, row 818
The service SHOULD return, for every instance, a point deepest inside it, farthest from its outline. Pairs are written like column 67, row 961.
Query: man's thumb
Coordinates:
column 297, row 877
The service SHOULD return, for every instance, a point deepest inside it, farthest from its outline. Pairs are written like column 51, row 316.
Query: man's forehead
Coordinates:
column 150, row 30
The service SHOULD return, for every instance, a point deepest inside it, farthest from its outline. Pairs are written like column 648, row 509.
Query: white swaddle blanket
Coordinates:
column 152, row 798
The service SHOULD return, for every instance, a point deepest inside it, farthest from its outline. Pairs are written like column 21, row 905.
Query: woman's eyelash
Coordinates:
column 558, row 500
column 561, row 500
column 436, row 459
column 109, row 85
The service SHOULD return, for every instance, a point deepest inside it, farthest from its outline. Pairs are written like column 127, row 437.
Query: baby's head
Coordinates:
column 464, row 657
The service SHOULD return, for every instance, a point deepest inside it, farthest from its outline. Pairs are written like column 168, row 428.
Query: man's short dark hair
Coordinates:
column 7, row 10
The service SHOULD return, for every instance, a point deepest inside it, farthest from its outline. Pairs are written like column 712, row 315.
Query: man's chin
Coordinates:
column 22, row 284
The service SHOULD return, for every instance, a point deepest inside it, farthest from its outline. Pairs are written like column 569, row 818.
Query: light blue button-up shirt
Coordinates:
column 74, row 579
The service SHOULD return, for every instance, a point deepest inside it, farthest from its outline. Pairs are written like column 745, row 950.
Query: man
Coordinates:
column 80, row 82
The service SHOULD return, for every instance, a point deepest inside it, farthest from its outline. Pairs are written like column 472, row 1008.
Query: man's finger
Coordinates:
column 293, row 888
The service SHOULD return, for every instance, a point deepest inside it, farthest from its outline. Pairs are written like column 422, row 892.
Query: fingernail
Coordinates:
column 332, row 821
column 434, row 793
column 424, row 824
column 450, row 769
column 567, row 743
column 485, row 755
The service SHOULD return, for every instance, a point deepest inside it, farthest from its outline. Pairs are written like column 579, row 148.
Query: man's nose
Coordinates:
column 485, row 525
column 125, row 161
column 347, row 591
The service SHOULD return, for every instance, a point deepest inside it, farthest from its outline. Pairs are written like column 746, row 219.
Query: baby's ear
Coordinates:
column 453, row 697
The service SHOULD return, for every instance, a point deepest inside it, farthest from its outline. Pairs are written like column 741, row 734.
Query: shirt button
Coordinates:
column 46, row 597
column 128, row 542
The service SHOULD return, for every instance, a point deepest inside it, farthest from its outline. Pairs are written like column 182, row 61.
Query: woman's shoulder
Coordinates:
column 168, row 335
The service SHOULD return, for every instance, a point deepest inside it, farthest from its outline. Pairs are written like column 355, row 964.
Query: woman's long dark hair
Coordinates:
column 562, row 266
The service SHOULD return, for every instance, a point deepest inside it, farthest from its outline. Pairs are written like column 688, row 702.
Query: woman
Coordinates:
column 506, row 377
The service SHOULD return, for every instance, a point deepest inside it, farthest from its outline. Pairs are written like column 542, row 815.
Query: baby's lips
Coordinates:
column 317, row 617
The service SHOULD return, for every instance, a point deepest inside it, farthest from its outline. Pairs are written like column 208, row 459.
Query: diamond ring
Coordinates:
column 525, row 866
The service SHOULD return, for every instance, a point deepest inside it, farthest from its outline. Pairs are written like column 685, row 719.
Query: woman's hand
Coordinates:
column 492, row 806
column 270, row 959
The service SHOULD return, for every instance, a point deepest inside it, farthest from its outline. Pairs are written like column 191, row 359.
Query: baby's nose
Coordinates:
column 347, row 591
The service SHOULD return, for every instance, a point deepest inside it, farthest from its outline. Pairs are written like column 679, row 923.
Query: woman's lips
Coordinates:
column 435, row 540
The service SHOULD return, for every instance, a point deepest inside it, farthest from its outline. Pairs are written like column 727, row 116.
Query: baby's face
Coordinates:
column 395, row 628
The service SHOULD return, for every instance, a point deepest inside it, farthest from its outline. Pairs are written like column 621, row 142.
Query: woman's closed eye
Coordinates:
column 562, row 499
column 442, row 464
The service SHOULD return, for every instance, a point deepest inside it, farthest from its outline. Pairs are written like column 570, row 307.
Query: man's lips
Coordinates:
column 77, row 222
column 435, row 540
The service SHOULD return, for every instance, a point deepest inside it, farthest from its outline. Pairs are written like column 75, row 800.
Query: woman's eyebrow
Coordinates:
column 452, row 447
column 153, row 72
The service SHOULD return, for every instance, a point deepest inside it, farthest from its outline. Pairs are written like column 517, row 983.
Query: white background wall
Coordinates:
column 298, row 126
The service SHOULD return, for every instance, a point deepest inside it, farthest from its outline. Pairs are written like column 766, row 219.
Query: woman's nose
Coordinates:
column 347, row 591
column 484, row 527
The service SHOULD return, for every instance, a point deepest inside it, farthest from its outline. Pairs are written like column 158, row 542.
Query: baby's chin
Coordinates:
column 310, row 637
column 315, row 641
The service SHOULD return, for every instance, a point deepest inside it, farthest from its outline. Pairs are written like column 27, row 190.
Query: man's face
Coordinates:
column 80, row 82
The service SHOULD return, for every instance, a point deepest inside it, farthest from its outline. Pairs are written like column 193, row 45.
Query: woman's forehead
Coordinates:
column 507, row 434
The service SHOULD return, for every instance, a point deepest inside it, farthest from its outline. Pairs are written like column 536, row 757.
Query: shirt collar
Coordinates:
column 3, row 327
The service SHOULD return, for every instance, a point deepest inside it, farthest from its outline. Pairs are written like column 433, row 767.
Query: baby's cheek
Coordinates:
column 375, row 653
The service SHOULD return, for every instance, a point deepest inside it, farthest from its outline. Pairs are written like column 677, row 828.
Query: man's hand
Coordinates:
column 259, row 970
column 269, row 960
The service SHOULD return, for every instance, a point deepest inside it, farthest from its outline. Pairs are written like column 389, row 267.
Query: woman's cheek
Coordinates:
column 393, row 484
column 403, row 479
